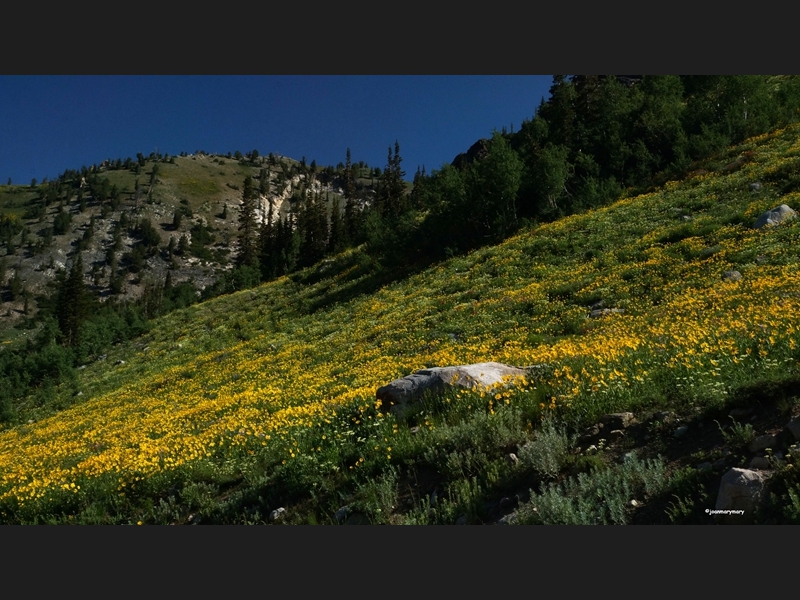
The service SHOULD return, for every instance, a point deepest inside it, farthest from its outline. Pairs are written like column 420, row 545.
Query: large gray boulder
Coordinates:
column 775, row 216
column 740, row 493
column 397, row 395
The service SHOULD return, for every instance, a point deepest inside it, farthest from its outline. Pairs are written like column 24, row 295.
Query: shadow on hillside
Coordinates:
column 362, row 275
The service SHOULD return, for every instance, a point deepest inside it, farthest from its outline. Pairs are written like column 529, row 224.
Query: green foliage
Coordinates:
column 548, row 452
column 738, row 435
column 202, row 236
column 602, row 496
column 248, row 229
column 148, row 234
column 492, row 186
column 72, row 304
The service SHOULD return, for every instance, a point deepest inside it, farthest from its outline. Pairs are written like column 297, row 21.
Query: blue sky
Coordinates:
column 52, row 123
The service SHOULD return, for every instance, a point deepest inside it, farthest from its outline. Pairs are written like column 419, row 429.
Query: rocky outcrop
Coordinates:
column 400, row 393
column 477, row 151
column 775, row 216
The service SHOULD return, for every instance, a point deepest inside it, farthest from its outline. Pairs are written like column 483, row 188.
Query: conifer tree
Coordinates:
column 349, row 235
column 263, row 182
column 313, row 229
column 392, row 189
column 71, row 309
column 338, row 234
column 267, row 245
column 248, row 228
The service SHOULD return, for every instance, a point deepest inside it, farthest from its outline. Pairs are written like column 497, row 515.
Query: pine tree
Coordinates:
column 350, row 234
column 183, row 245
column 338, row 234
column 248, row 228
column 263, row 182
column 559, row 111
column 71, row 309
column 15, row 285
column 313, row 229
column 392, row 189
column 398, row 191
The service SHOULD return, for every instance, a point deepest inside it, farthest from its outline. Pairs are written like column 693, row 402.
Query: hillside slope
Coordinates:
column 101, row 210
column 240, row 404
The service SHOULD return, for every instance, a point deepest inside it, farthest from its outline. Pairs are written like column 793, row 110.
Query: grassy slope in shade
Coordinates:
column 248, row 383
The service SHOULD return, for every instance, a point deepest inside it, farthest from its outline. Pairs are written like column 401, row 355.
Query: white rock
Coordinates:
column 277, row 514
column 401, row 392
column 741, row 490
column 775, row 216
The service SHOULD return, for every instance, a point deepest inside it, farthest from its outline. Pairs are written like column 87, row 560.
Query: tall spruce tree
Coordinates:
column 72, row 304
column 391, row 187
column 267, row 245
column 350, row 232
column 337, row 239
column 248, row 228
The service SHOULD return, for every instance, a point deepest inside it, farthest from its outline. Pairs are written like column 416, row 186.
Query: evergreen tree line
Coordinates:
column 593, row 138
column 316, row 226
column 73, row 327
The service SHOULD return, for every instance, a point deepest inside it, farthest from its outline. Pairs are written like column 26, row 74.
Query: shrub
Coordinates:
column 738, row 435
column 601, row 496
column 548, row 452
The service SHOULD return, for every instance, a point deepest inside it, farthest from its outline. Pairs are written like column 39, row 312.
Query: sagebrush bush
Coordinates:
column 602, row 496
column 548, row 452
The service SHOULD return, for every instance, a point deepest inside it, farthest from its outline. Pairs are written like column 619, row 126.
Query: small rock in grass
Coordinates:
column 739, row 413
column 732, row 276
column 342, row 514
column 794, row 427
column 618, row 420
column 681, row 431
column 720, row 464
column 762, row 442
column 604, row 312
column 358, row 518
column 664, row 416
column 759, row 462
column 277, row 515
column 509, row 519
